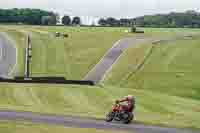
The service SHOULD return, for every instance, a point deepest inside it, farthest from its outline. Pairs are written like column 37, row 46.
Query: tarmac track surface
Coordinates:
column 98, row 72
column 7, row 56
column 78, row 122
column 105, row 64
column 8, row 60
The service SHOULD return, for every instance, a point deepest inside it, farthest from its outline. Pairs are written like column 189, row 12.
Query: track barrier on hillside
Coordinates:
column 46, row 80
column 28, row 55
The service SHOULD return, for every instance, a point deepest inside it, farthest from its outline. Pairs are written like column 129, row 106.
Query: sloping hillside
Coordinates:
column 71, row 57
column 152, row 107
column 170, row 67
column 164, row 78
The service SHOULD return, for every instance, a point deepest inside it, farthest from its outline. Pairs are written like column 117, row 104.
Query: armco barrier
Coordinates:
column 46, row 80
column 41, row 78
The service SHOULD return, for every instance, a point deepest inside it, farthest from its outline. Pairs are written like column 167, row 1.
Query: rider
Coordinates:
column 130, row 103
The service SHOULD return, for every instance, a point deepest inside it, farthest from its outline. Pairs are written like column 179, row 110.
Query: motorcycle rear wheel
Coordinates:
column 127, row 118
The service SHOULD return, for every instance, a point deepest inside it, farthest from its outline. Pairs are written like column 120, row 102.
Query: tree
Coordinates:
column 25, row 16
column 49, row 20
column 76, row 21
column 112, row 21
column 174, row 20
column 125, row 22
column 66, row 20
column 102, row 22
column 45, row 20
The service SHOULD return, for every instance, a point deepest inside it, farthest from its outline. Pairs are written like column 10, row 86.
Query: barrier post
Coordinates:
column 27, row 57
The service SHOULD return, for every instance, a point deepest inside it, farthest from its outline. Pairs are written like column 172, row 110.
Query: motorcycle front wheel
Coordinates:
column 110, row 116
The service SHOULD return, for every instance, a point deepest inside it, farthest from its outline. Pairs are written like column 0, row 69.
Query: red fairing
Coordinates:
column 116, row 108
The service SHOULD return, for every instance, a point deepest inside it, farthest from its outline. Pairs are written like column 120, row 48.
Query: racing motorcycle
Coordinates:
column 117, row 114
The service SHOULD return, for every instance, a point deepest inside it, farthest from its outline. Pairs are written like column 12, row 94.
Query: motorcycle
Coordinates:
column 120, row 115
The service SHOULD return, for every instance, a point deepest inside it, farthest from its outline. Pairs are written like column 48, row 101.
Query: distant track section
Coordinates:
column 8, row 54
column 105, row 64
column 78, row 122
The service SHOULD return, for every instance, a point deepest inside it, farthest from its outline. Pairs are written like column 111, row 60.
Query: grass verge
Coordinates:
column 152, row 108
column 24, row 127
column 71, row 57
column 171, row 68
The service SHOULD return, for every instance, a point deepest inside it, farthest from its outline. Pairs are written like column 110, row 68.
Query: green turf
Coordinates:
column 71, row 57
column 152, row 107
column 172, row 68
column 166, row 87
column 126, row 64
column 170, row 31
column 24, row 127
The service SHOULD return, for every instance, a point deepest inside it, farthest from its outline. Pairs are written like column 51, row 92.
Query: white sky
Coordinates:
column 104, row 8
column 115, row 8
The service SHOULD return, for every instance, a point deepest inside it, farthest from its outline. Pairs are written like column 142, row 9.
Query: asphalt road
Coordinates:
column 78, row 122
column 105, row 64
column 8, row 61
column 7, row 56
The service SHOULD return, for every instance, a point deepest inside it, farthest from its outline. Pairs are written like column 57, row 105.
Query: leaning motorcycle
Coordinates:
column 117, row 114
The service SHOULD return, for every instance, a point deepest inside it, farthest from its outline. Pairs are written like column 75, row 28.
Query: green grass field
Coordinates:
column 19, row 39
column 167, row 86
column 71, row 57
column 152, row 107
column 171, row 68
column 24, row 127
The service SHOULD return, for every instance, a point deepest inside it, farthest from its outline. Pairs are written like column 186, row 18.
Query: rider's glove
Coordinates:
column 117, row 101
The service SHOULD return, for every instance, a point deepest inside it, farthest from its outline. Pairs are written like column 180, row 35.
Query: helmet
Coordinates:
column 130, row 97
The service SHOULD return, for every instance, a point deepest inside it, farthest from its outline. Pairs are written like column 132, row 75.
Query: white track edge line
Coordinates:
column 115, row 44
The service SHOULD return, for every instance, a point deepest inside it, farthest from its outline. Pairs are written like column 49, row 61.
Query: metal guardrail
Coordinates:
column 40, row 80
column 46, row 80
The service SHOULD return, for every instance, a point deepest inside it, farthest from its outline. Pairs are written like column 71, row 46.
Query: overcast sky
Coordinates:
column 99, row 8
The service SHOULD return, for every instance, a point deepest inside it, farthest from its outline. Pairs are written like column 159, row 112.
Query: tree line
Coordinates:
column 188, row 19
column 26, row 16
column 113, row 22
column 66, row 20
column 34, row 17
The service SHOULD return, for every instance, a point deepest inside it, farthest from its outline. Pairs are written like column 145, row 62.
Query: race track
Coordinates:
column 7, row 56
column 8, row 62
column 105, row 64
column 78, row 122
